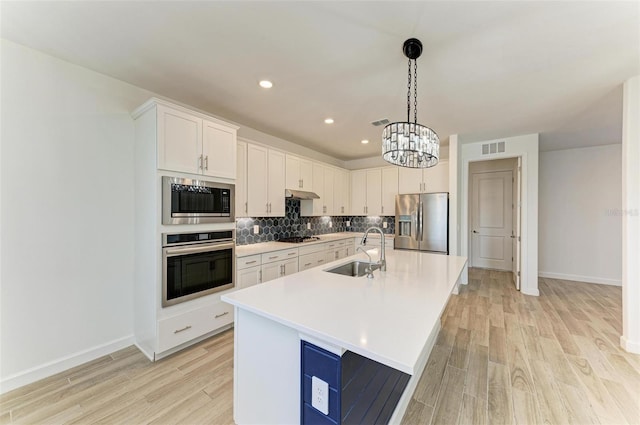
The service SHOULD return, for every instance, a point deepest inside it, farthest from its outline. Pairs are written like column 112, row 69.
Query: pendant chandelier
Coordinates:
column 409, row 144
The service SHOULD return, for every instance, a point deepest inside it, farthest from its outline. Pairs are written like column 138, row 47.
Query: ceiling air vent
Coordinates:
column 491, row 148
column 378, row 123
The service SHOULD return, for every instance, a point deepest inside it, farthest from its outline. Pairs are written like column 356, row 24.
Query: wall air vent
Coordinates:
column 378, row 123
column 491, row 148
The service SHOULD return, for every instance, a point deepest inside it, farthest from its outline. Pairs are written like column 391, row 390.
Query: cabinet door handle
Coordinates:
column 246, row 207
column 308, row 264
column 320, row 261
column 220, row 315
column 200, row 162
column 267, row 207
column 382, row 209
column 259, row 276
column 292, row 253
column 206, row 162
column 251, row 262
column 273, row 258
column 186, row 328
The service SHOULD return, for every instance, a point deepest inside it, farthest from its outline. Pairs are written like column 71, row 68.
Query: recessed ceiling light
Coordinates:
column 328, row 121
column 364, row 142
column 266, row 84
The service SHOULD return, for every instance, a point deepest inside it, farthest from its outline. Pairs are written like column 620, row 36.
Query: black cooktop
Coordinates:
column 299, row 239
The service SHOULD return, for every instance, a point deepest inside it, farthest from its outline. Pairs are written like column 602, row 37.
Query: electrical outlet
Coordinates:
column 384, row 224
column 330, row 224
column 348, row 223
column 320, row 394
column 308, row 226
column 256, row 229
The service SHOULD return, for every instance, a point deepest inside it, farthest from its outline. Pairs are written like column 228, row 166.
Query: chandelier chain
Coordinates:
column 409, row 92
column 415, row 91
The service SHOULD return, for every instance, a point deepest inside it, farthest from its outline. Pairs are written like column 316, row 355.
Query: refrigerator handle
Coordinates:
column 420, row 224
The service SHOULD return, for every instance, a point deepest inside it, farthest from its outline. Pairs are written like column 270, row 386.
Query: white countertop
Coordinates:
column 262, row 247
column 388, row 318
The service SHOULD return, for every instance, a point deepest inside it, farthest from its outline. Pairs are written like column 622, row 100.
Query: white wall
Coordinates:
column 67, row 214
column 580, row 227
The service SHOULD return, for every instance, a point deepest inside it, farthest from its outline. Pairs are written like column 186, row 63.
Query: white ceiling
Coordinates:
column 489, row 69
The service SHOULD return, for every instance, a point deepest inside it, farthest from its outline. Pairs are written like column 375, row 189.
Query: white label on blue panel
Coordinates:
column 320, row 395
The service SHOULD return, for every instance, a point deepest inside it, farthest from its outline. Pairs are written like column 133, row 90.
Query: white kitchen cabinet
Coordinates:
column 374, row 191
column 249, row 277
column 389, row 190
column 327, row 192
column 313, row 259
column 341, row 193
column 265, row 182
column 218, row 150
column 424, row 180
column 299, row 173
column 275, row 183
column 190, row 143
column 278, row 269
column 359, row 192
column 241, row 180
column 366, row 192
column 323, row 186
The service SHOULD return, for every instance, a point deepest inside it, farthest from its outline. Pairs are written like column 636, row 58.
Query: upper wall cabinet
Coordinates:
column 242, row 207
column 341, row 192
column 265, row 182
column 373, row 191
column 425, row 180
column 191, row 142
column 298, row 173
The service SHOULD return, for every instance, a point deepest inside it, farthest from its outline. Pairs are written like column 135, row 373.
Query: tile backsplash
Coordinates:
column 274, row 228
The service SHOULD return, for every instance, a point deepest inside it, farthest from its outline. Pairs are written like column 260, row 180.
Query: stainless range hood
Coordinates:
column 300, row 194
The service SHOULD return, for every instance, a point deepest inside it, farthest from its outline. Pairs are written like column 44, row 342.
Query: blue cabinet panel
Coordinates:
column 311, row 416
column 321, row 363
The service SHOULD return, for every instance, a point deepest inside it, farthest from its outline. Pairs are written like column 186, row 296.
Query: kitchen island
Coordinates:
column 392, row 319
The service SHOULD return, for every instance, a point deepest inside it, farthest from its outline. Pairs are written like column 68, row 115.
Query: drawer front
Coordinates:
column 270, row 257
column 309, row 249
column 250, row 261
column 217, row 316
column 308, row 261
column 182, row 328
column 177, row 330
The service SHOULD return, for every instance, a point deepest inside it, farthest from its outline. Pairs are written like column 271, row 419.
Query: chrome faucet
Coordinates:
column 368, row 270
column 382, row 261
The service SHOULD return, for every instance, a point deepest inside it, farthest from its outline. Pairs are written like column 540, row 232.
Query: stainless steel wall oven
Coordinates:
column 196, row 264
column 189, row 201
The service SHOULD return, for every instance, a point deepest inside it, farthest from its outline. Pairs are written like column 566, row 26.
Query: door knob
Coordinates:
column 475, row 231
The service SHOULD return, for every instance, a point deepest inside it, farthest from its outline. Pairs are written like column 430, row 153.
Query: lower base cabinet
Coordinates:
column 359, row 390
column 176, row 330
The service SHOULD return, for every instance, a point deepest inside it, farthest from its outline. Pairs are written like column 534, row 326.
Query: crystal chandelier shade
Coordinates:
column 409, row 144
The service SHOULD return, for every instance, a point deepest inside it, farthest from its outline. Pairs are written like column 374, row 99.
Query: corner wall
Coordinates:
column 67, row 215
column 580, row 227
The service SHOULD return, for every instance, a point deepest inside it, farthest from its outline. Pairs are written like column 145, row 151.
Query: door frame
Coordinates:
column 470, row 215
column 526, row 147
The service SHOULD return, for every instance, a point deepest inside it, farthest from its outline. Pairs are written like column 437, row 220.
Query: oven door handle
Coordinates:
column 196, row 249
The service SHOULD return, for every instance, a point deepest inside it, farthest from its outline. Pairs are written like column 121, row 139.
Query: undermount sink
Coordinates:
column 354, row 268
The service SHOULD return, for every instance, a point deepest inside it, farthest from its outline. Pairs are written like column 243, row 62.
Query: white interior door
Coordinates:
column 491, row 220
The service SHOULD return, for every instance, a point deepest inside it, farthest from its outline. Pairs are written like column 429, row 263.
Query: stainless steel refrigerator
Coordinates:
column 422, row 222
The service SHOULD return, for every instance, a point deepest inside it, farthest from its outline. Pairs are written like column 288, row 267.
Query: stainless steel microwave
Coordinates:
column 190, row 201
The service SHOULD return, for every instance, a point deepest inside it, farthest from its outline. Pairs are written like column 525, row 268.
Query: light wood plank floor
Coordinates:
column 501, row 357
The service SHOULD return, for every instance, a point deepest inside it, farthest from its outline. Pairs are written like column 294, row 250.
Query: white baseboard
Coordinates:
column 630, row 346
column 60, row 365
column 533, row 292
column 578, row 278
